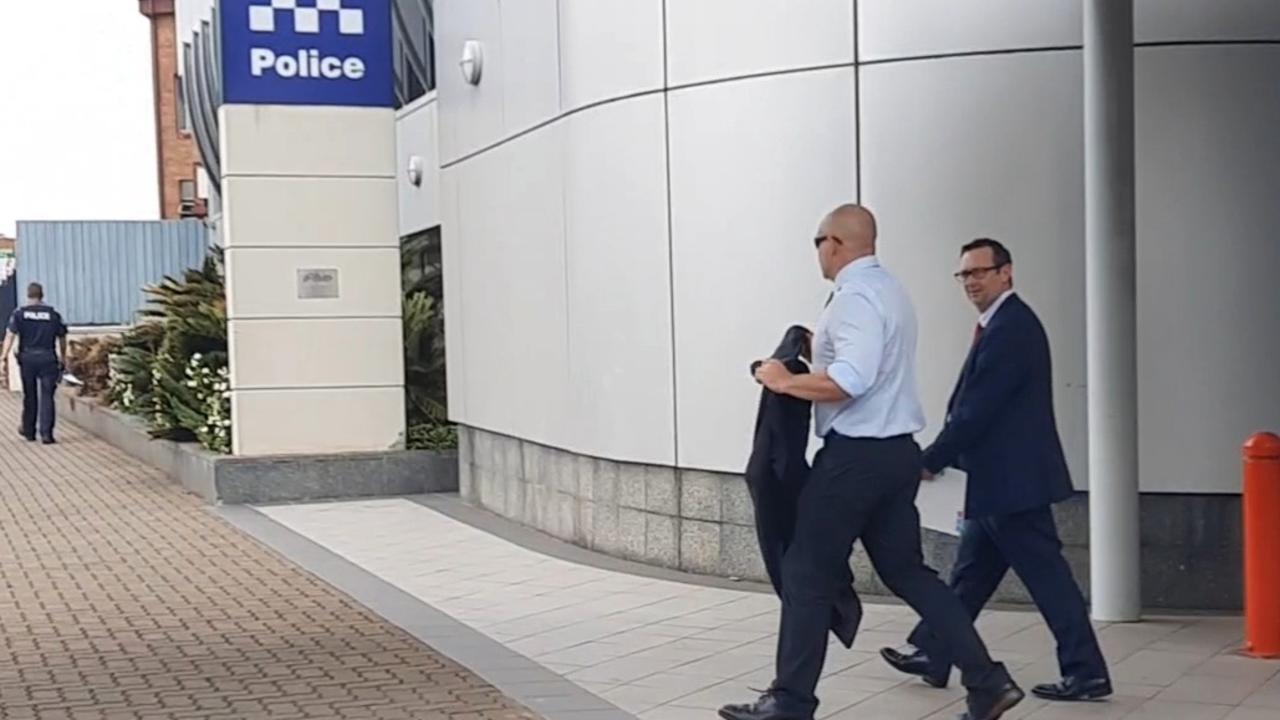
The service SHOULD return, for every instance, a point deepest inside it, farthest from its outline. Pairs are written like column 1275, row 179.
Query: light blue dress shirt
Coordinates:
column 866, row 343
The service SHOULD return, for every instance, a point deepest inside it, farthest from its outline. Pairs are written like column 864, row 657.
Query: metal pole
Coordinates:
column 1110, row 289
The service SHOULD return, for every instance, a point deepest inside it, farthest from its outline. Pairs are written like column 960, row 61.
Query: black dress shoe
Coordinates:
column 991, row 704
column 1074, row 689
column 48, row 441
column 768, row 707
column 916, row 662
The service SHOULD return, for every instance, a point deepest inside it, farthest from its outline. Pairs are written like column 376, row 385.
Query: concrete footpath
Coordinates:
column 123, row 597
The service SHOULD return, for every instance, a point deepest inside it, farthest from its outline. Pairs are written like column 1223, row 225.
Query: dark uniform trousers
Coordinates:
column 40, row 372
column 865, row 489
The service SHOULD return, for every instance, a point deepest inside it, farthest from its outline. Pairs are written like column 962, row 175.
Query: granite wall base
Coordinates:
column 703, row 522
column 219, row 479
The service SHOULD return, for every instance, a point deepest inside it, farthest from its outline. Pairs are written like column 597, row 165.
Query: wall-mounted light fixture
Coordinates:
column 472, row 62
column 415, row 170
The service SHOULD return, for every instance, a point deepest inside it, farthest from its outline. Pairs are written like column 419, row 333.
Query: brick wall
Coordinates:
column 177, row 157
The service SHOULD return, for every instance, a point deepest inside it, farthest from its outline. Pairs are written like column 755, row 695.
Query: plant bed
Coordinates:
column 223, row 479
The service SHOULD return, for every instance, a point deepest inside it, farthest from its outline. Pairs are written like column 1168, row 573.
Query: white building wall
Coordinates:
column 616, row 255
column 417, row 137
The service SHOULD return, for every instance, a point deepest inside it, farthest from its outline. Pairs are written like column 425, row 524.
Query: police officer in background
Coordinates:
column 42, row 349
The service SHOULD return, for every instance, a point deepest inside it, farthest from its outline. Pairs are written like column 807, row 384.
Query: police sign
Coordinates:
column 307, row 52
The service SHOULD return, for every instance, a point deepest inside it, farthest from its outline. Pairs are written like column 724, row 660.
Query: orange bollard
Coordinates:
column 1262, row 545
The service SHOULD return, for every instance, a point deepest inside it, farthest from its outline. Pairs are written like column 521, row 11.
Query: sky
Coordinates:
column 77, row 124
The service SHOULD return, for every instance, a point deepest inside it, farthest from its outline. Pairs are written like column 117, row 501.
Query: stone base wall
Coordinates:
column 703, row 522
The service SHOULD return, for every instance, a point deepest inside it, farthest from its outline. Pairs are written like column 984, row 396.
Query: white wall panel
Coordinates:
column 470, row 115
column 755, row 164
column 453, row 257
column 609, row 48
column 986, row 146
column 1208, row 298
column 714, row 39
column 620, row 398
column 263, row 283
column 310, row 212
column 279, row 354
column 907, row 28
column 513, row 288
column 1165, row 20
column 187, row 17
column 530, row 63
column 417, row 134
column 272, row 422
column 306, row 140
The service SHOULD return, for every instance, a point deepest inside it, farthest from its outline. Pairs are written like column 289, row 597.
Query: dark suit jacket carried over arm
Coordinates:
column 1000, row 426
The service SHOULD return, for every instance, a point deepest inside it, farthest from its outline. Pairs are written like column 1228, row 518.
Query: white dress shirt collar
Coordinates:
column 848, row 271
column 985, row 318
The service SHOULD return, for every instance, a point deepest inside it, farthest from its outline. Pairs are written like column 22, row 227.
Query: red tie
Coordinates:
column 977, row 333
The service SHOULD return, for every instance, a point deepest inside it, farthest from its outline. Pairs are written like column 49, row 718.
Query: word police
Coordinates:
column 306, row 64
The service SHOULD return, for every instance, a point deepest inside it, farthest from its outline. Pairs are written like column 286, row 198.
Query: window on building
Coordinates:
column 180, row 94
column 187, row 190
column 413, row 51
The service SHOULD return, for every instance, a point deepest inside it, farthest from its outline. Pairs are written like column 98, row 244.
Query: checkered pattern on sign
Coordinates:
column 305, row 20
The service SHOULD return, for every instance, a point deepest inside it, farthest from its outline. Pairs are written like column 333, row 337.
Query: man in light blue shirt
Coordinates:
column 866, row 344
column 864, row 480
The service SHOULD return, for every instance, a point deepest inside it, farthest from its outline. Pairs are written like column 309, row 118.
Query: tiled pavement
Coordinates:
column 667, row 650
column 123, row 597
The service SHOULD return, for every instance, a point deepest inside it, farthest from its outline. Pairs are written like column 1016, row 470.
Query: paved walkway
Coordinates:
column 123, row 597
column 666, row 650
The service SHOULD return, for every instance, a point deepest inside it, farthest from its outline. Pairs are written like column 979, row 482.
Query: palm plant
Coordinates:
column 424, row 352
column 171, row 366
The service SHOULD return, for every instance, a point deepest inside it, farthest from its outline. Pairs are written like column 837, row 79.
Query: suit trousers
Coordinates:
column 1028, row 542
column 864, row 489
column 39, row 382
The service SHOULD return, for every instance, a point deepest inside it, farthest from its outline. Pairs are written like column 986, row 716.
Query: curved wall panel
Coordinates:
column 511, row 253
column 530, row 63
column 1208, row 298
column 608, row 49
column 754, row 166
column 620, row 396
column 471, row 116
column 611, row 274
column 716, row 39
column 1172, row 20
column 890, row 29
column 983, row 147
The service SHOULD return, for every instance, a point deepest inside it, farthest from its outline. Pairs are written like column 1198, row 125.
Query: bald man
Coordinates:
column 864, row 480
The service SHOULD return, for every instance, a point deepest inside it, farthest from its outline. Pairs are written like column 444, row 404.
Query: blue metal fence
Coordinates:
column 94, row 272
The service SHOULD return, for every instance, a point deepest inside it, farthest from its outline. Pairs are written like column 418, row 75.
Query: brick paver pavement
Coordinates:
column 123, row 597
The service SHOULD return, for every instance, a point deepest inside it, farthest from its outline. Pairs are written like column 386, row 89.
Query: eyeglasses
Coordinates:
column 976, row 273
column 817, row 242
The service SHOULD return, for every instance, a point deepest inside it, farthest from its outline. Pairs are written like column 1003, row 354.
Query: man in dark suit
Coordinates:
column 777, row 472
column 1001, row 431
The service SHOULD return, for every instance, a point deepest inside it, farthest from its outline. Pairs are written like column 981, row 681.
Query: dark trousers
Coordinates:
column 1028, row 542
column 39, row 381
column 864, row 489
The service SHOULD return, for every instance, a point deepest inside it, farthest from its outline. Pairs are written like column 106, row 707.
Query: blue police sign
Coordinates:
column 307, row 52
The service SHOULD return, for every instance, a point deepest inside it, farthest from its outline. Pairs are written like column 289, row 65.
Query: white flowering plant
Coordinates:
column 171, row 370
column 208, row 378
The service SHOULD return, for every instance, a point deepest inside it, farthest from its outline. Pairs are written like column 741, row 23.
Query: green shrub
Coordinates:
column 171, row 369
column 426, row 398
